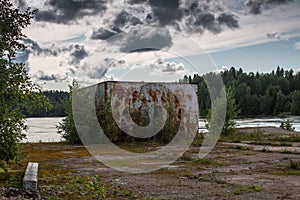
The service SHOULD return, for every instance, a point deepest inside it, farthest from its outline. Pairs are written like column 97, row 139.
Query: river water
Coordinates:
column 259, row 122
column 44, row 129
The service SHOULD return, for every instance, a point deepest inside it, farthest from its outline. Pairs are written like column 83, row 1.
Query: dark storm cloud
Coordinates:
column 166, row 11
column 145, row 39
column 44, row 77
column 198, row 15
column 103, row 34
column 207, row 21
column 273, row 35
column 228, row 20
column 124, row 18
column 77, row 54
column 255, row 6
column 65, row 11
column 52, row 77
column 34, row 47
column 136, row 1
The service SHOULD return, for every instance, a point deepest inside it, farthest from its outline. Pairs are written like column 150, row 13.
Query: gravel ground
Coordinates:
column 16, row 194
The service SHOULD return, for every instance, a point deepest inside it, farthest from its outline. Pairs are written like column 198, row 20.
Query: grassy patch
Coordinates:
column 265, row 150
column 186, row 158
column 261, row 142
column 206, row 161
column 14, row 175
column 198, row 140
column 294, row 165
column 293, row 168
column 13, row 180
column 286, row 151
column 282, row 144
column 285, row 144
column 245, row 190
column 187, row 173
column 286, row 172
column 239, row 147
column 82, row 187
column 238, row 137
column 292, row 138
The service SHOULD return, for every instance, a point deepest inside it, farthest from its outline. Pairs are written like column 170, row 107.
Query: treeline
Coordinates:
column 275, row 93
column 57, row 101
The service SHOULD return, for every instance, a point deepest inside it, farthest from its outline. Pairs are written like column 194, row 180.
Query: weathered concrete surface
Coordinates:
column 31, row 177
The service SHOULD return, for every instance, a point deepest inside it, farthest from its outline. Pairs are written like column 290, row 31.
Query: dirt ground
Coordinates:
column 232, row 170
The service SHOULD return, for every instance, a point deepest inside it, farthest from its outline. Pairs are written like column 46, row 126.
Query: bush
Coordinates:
column 286, row 124
column 67, row 127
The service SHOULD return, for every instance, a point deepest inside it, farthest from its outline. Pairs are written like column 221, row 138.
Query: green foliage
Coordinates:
column 95, row 186
column 67, row 127
column 107, row 122
column 294, row 165
column 140, row 117
column 56, row 99
column 272, row 93
column 232, row 111
column 171, row 125
column 17, row 92
column 286, row 124
column 245, row 190
column 295, row 110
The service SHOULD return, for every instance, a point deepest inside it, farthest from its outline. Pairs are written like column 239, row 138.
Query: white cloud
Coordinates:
column 297, row 45
column 166, row 68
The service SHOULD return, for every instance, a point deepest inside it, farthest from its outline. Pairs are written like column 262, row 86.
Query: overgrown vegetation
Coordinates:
column 141, row 118
column 17, row 92
column 67, row 127
column 249, row 189
column 109, row 126
column 294, row 165
column 287, row 125
column 232, row 112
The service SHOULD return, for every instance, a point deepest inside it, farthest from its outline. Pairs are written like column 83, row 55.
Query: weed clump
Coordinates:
column 244, row 190
column 294, row 165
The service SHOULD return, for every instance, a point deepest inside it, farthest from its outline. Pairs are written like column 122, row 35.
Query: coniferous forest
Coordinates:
column 57, row 101
column 264, row 94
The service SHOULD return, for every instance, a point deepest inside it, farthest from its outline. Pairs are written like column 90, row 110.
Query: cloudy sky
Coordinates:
column 157, row 40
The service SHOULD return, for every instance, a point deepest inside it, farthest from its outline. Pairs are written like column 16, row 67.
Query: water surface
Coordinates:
column 44, row 129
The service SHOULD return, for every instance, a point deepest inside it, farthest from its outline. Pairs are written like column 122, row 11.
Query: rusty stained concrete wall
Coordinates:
column 143, row 95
